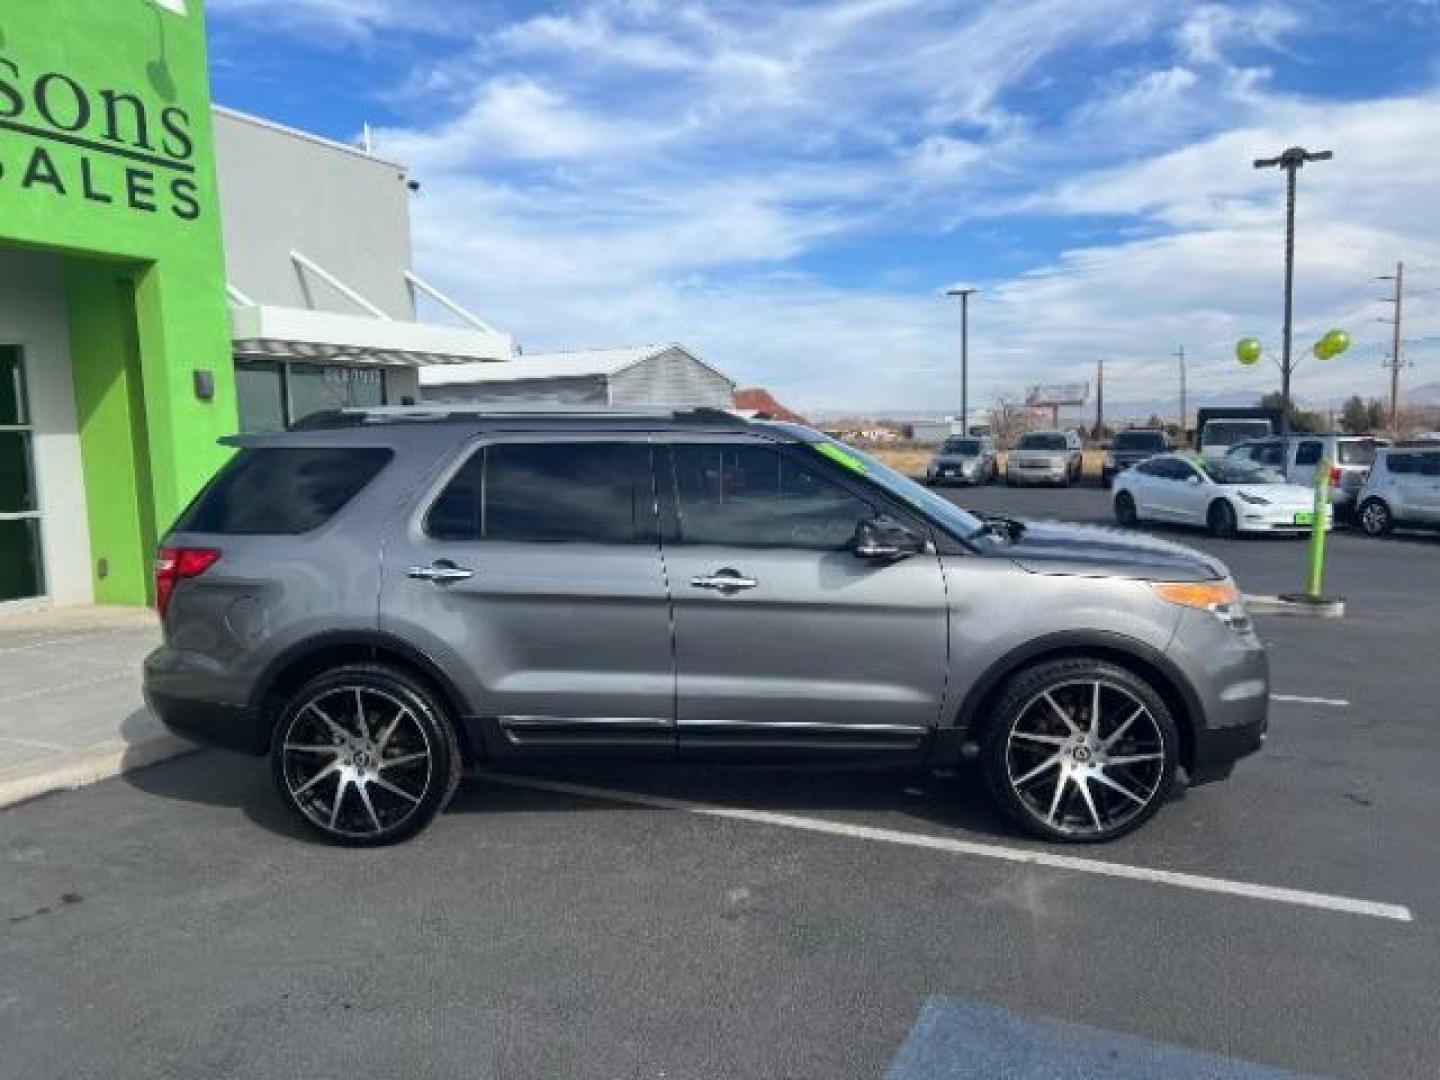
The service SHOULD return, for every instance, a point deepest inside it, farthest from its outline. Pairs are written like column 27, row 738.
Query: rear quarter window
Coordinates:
column 282, row 491
column 1357, row 453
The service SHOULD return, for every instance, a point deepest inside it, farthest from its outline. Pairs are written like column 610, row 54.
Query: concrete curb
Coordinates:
column 91, row 765
column 1326, row 608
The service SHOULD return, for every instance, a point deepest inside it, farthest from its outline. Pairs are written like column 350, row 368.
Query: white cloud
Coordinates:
column 633, row 170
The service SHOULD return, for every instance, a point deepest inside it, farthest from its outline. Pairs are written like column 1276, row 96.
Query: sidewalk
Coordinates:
column 71, row 712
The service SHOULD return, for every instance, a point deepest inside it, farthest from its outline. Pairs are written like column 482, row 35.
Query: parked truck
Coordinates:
column 1218, row 429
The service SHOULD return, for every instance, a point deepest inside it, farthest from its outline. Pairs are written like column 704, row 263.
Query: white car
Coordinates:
column 1227, row 496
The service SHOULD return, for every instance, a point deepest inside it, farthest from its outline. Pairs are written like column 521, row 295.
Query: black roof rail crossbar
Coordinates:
column 331, row 419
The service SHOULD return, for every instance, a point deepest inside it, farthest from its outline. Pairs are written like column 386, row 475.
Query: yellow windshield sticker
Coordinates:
column 841, row 457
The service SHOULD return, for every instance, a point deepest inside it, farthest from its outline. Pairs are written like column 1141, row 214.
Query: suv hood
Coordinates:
column 1051, row 547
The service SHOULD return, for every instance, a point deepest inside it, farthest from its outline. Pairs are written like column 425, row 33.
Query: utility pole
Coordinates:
column 1396, row 342
column 964, row 292
column 1291, row 161
column 1179, row 354
column 1100, row 400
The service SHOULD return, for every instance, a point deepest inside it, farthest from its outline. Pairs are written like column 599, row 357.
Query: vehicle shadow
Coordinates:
column 872, row 796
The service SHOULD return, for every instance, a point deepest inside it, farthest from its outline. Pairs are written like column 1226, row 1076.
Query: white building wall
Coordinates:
column 33, row 316
column 671, row 378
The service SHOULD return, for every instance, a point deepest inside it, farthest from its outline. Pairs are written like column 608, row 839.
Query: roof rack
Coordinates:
column 331, row 419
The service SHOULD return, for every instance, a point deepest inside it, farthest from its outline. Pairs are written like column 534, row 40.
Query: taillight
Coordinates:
column 1334, row 475
column 176, row 564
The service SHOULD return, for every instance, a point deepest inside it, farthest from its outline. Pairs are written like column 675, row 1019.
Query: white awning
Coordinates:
column 298, row 333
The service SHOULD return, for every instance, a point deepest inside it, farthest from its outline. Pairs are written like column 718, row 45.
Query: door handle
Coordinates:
column 440, row 572
column 724, row 581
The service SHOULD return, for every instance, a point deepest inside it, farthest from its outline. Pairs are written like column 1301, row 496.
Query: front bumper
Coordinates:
column 1228, row 674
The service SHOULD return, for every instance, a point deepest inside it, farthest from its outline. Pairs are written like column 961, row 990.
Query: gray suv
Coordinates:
column 389, row 598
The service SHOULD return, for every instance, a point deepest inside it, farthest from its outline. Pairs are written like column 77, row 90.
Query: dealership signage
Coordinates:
column 62, row 137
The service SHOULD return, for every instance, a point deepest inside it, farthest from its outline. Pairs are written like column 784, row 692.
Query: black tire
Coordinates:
column 1126, row 515
column 1028, row 778
column 1221, row 519
column 1375, row 518
column 410, row 749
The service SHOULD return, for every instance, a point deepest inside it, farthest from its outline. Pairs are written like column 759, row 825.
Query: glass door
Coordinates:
column 20, row 570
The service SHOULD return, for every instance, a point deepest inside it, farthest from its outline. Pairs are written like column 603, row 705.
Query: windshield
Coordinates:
column 1239, row 471
column 942, row 511
column 1041, row 442
column 1230, row 432
column 961, row 446
column 1140, row 442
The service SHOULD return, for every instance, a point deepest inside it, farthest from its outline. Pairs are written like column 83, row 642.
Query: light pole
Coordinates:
column 1291, row 161
column 964, row 292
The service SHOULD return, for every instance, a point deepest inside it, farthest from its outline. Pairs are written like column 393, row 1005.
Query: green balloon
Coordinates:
column 1336, row 342
column 1323, row 350
column 1248, row 350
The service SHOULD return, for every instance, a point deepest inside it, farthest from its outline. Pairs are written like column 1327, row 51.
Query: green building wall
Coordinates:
column 106, row 156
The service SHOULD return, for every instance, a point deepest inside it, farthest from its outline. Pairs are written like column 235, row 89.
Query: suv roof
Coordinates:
column 332, row 419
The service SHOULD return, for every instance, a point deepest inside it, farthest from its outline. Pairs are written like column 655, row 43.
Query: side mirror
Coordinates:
column 884, row 538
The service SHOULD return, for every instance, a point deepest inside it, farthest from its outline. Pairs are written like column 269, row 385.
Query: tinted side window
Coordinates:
column 1404, row 464
column 455, row 514
column 282, row 490
column 594, row 493
column 744, row 496
column 1150, row 468
column 1308, row 452
column 1429, row 464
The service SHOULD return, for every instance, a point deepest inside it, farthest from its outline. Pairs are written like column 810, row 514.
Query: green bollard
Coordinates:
column 1317, row 529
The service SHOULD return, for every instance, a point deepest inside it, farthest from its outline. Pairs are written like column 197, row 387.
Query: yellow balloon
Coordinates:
column 1248, row 350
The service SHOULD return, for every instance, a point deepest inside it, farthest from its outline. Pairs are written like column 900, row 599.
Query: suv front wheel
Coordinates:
column 365, row 755
column 1080, row 750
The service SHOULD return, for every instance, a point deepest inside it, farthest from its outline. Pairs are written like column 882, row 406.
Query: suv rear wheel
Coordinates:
column 365, row 755
column 1375, row 518
column 1080, row 750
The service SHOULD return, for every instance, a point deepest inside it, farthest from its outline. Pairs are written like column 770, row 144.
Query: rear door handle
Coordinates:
column 440, row 572
column 724, row 581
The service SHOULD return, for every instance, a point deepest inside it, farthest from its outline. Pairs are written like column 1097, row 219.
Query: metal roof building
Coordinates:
column 666, row 375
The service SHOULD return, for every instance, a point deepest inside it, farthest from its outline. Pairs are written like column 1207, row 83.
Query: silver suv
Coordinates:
column 389, row 598
column 1402, row 488
column 1044, row 457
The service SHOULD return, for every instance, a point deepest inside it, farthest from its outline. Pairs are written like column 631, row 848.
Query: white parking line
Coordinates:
column 1296, row 699
column 1299, row 897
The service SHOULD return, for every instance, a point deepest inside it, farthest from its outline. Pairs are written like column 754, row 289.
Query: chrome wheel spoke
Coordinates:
column 1111, row 783
column 331, row 768
column 1059, row 792
column 338, row 731
column 340, row 789
column 316, row 748
column 403, row 759
column 381, row 782
column 369, row 806
column 1116, row 735
column 361, row 726
column 1095, row 711
column 1065, row 717
column 384, row 739
column 1048, row 763
column 1134, row 759
column 1084, row 787
column 1048, row 740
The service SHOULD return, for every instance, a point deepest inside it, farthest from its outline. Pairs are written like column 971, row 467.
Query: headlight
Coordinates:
column 1219, row 598
column 1253, row 500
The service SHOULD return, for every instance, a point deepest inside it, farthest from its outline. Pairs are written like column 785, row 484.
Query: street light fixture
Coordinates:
column 964, row 292
column 1291, row 161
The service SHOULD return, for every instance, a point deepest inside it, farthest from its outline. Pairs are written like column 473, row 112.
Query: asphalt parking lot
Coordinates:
column 757, row 923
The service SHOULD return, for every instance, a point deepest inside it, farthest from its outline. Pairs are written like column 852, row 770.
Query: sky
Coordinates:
column 788, row 188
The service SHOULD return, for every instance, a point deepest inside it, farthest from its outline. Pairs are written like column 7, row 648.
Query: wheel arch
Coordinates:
column 297, row 664
column 1144, row 660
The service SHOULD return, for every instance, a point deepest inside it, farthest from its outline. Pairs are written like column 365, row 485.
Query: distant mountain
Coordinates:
column 1426, row 394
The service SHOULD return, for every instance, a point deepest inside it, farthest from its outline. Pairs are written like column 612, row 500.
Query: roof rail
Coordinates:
column 331, row 419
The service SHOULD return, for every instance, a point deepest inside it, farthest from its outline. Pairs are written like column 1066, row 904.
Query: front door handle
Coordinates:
column 724, row 581
column 440, row 571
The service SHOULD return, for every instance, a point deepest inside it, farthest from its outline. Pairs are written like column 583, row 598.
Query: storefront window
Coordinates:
column 260, row 388
column 272, row 395
column 20, row 574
